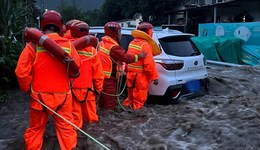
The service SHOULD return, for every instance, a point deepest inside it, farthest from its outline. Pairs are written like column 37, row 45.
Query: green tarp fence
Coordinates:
column 230, row 42
column 225, row 49
column 251, row 55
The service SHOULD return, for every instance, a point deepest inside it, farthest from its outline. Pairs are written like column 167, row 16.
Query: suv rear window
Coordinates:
column 126, row 39
column 100, row 35
column 179, row 46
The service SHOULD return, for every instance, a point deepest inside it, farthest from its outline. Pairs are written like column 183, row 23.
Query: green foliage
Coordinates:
column 154, row 11
column 92, row 17
column 8, row 58
column 130, row 8
column 111, row 11
column 15, row 16
column 68, row 12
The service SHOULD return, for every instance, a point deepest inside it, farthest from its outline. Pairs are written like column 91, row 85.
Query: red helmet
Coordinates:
column 79, row 29
column 70, row 22
column 112, row 29
column 51, row 17
column 145, row 26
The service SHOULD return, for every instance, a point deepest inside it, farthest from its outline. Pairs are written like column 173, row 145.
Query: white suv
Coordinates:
column 181, row 67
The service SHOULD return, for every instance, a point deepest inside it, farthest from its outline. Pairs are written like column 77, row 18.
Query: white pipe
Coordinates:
column 224, row 63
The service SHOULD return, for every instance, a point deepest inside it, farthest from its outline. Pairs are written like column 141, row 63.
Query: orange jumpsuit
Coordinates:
column 112, row 56
column 139, row 74
column 67, row 35
column 46, row 79
column 91, row 79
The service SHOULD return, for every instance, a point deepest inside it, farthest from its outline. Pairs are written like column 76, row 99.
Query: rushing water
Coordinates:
column 226, row 118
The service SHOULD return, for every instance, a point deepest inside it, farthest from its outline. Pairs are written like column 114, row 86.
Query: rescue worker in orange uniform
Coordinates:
column 140, row 74
column 112, row 56
column 46, row 79
column 90, row 81
column 67, row 27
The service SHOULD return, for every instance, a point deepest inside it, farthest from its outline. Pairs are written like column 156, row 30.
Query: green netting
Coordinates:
column 251, row 55
column 226, row 49
column 229, row 49
column 207, row 46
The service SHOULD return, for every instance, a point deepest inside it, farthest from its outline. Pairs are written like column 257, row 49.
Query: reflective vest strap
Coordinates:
column 136, row 47
column 135, row 67
column 42, row 49
column 104, row 50
column 107, row 73
column 67, row 50
column 84, row 53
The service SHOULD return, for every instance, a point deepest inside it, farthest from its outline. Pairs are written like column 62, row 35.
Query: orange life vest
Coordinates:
column 67, row 35
column 85, row 78
column 49, row 74
column 104, row 53
column 134, row 48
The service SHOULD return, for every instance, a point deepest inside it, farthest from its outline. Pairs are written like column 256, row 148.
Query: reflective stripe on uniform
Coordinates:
column 135, row 67
column 66, row 49
column 104, row 50
column 107, row 73
column 84, row 53
column 42, row 49
column 135, row 47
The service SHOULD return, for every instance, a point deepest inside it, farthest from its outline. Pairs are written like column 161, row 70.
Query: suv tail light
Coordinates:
column 172, row 64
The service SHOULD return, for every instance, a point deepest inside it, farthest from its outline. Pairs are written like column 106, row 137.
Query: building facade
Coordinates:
column 193, row 12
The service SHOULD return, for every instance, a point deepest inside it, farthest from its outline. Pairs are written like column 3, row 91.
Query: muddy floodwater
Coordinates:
column 226, row 118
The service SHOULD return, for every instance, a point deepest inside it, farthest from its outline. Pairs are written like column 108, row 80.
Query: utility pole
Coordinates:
column 186, row 21
column 215, row 14
column 169, row 19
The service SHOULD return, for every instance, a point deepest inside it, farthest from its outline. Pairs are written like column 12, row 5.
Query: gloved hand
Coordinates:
column 142, row 55
column 155, row 82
